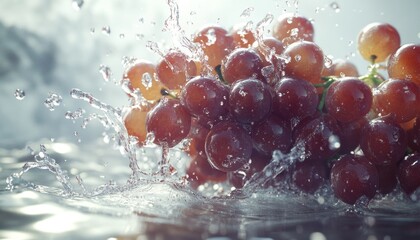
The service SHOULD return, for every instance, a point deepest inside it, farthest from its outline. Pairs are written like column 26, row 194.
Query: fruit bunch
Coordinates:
column 238, row 96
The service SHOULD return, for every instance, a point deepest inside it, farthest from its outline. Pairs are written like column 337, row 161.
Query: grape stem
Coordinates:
column 218, row 70
column 325, row 85
column 166, row 92
column 372, row 78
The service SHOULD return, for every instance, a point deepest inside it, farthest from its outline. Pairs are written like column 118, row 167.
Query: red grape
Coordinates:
column 408, row 173
column 295, row 98
column 305, row 60
column 377, row 41
column 405, row 62
column 169, row 122
column 348, row 99
column 250, row 101
column 206, row 97
column 272, row 134
column 228, row 146
column 291, row 28
column 383, row 141
column 352, row 177
column 216, row 44
column 308, row 176
column 401, row 98
column 200, row 172
column 175, row 69
column 242, row 64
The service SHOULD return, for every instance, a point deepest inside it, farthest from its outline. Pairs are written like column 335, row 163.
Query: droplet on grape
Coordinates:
column 20, row 94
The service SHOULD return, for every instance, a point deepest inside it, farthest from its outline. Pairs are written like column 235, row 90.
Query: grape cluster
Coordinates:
column 241, row 97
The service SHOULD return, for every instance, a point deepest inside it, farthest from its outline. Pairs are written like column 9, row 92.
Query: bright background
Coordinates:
column 48, row 47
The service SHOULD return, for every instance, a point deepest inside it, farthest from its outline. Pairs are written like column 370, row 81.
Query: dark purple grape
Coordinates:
column 383, row 141
column 318, row 137
column 348, row 99
column 409, row 173
column 206, row 97
column 272, row 134
column 250, row 101
column 241, row 64
column 228, row 146
column 387, row 178
column 308, row 176
column 295, row 98
column 169, row 121
column 350, row 134
column 353, row 177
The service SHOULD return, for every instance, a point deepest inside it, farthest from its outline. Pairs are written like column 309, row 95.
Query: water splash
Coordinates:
column 247, row 12
column 77, row 4
column 106, row 72
column 335, row 7
column 53, row 100
column 20, row 94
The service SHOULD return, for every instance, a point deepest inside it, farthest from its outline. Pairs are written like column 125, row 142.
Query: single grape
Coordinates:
column 405, row 62
column 169, row 122
column 241, row 64
column 295, row 98
column 142, row 76
column 175, row 69
column 350, row 134
column 383, row 141
column 413, row 136
column 135, row 122
column 216, row 44
column 376, row 41
column 348, row 99
column 206, row 97
column 304, row 60
column 291, row 28
column 243, row 36
column 272, row 134
column 318, row 138
column 228, row 146
column 268, row 48
column 250, row 101
column 353, row 177
column 408, row 173
column 308, row 176
column 401, row 98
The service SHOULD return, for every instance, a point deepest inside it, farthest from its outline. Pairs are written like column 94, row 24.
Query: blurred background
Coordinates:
column 49, row 47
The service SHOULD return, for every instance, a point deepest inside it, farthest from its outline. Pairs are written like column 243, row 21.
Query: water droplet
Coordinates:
column 122, row 35
column 298, row 58
column 294, row 32
column 147, row 80
column 247, row 12
column 335, row 7
column 106, row 30
column 351, row 42
column 106, row 72
column 92, row 30
column 53, row 100
column 20, row 94
column 74, row 115
column 77, row 4
column 328, row 61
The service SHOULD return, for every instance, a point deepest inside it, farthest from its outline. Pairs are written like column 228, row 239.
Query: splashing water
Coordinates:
column 54, row 100
column 20, row 94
